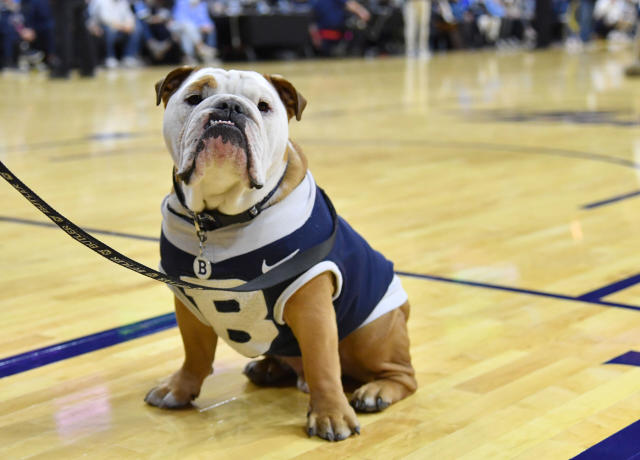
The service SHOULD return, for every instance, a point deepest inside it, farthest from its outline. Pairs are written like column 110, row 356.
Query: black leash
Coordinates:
column 298, row 264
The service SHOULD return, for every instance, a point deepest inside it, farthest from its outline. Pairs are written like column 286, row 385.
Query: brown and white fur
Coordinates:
column 376, row 354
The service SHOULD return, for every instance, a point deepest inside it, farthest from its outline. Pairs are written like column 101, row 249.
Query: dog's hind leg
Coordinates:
column 378, row 354
column 269, row 371
column 184, row 385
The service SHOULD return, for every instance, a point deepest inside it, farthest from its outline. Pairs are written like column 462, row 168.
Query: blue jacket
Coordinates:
column 252, row 323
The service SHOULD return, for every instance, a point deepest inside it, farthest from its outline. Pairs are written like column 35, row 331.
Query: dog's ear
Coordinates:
column 292, row 99
column 169, row 84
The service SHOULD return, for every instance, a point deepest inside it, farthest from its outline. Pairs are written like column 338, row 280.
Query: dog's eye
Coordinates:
column 194, row 99
column 263, row 106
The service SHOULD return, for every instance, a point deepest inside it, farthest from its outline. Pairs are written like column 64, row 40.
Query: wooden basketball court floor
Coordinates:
column 503, row 186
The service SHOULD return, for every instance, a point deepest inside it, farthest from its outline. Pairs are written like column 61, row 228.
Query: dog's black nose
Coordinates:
column 230, row 107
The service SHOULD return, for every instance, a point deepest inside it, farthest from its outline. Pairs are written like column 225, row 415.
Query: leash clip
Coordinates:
column 201, row 266
column 202, row 235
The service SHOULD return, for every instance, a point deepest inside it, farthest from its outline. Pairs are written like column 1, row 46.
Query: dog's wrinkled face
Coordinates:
column 227, row 131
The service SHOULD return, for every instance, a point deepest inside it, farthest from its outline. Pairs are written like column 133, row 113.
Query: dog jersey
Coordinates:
column 252, row 322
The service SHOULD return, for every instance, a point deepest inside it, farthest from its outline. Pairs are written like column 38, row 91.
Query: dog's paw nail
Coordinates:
column 151, row 398
column 381, row 404
column 356, row 430
column 340, row 437
column 311, row 432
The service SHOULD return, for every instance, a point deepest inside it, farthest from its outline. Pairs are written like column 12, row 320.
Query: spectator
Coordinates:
column 544, row 23
column 585, row 15
column 71, row 34
column 115, row 20
column 634, row 69
column 329, row 30
column 9, row 37
column 196, row 31
column 616, row 20
column 417, row 16
column 153, row 18
column 38, row 18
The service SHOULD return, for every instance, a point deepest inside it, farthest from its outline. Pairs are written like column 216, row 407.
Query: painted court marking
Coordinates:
column 82, row 345
column 624, row 445
column 608, row 201
column 65, row 350
column 39, row 223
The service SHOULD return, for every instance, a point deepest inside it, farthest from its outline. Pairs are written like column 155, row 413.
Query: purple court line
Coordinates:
column 630, row 358
column 39, row 223
column 65, row 350
column 498, row 287
column 596, row 295
column 623, row 445
column 75, row 347
column 614, row 199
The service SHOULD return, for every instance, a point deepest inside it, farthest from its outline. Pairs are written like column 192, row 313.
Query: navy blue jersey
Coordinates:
column 252, row 323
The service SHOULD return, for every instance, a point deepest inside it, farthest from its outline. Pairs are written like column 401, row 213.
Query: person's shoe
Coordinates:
column 59, row 75
column 189, row 60
column 158, row 48
column 111, row 63
column 130, row 62
column 633, row 70
column 87, row 73
column 206, row 53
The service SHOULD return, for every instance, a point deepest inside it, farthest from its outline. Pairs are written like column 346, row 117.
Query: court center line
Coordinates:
column 593, row 297
column 609, row 289
column 96, row 137
column 594, row 301
column 65, row 350
column 38, row 223
column 475, row 146
column 611, row 200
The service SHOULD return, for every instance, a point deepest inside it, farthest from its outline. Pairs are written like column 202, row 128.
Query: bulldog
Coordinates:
column 243, row 204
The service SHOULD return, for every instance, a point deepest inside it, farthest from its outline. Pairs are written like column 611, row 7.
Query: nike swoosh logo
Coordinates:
column 266, row 268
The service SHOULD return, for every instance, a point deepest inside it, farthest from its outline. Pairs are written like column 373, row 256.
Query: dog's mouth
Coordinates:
column 227, row 131
column 222, row 139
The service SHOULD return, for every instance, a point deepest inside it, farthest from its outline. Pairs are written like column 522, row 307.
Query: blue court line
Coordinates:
column 614, row 199
column 631, row 358
column 96, row 137
column 65, row 350
column 624, row 445
column 38, row 223
column 612, row 288
column 475, row 146
column 595, row 301
column 30, row 360
column 593, row 297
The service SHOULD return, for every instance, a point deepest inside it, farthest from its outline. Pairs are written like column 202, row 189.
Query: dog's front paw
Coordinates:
column 163, row 397
column 176, row 393
column 332, row 421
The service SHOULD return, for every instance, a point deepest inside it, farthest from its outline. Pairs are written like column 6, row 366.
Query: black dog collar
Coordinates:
column 209, row 220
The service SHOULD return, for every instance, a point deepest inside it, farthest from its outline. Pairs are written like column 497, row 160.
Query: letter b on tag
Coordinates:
column 202, row 268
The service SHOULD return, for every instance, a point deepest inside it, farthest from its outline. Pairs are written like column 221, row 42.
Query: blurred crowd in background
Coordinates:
column 58, row 35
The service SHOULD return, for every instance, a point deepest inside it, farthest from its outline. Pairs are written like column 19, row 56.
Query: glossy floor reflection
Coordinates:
column 509, row 180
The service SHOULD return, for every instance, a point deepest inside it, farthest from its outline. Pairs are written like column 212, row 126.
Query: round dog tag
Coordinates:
column 202, row 268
